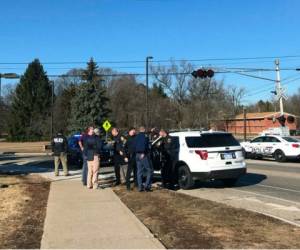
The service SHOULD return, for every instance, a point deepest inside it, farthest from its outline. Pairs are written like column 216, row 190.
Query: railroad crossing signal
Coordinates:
column 280, row 93
column 106, row 125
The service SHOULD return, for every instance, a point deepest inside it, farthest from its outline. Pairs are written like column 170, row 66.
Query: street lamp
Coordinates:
column 52, row 107
column 7, row 76
column 147, row 90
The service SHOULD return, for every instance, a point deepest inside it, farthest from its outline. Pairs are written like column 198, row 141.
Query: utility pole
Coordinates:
column 0, row 89
column 245, row 123
column 52, row 107
column 279, row 91
column 147, row 91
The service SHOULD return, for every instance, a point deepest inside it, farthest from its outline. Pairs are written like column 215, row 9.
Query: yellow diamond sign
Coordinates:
column 106, row 125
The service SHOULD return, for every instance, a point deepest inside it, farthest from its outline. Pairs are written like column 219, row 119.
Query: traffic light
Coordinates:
column 281, row 120
column 202, row 73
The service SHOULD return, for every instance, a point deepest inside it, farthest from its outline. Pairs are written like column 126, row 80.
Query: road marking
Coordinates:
column 276, row 217
column 281, row 207
column 253, row 199
column 268, row 186
column 273, row 205
column 268, row 196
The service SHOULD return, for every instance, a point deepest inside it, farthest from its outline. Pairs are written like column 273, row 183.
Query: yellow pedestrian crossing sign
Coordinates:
column 106, row 125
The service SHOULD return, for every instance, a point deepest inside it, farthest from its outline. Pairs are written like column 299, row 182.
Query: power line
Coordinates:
column 239, row 69
column 158, row 61
column 270, row 87
column 224, row 71
column 290, row 81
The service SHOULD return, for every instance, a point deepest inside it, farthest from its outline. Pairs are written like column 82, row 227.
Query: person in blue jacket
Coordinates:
column 142, row 161
column 92, row 148
column 84, row 158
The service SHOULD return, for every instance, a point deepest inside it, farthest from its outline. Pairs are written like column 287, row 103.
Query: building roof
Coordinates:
column 260, row 115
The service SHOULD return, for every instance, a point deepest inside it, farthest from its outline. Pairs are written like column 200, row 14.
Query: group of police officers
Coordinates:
column 134, row 150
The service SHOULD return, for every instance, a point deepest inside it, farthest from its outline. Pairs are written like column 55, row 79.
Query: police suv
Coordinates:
column 202, row 155
column 279, row 147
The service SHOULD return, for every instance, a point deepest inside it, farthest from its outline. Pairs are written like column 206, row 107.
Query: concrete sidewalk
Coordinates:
column 81, row 218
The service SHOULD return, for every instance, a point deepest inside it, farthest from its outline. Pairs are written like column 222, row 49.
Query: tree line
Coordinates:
column 90, row 95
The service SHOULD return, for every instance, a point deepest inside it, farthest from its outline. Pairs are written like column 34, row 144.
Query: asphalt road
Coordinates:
column 282, row 180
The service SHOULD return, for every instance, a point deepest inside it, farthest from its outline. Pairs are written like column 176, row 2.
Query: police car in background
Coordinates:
column 275, row 146
column 75, row 155
column 201, row 155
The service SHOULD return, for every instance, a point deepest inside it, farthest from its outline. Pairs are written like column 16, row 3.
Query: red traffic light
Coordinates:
column 210, row 73
column 281, row 120
column 202, row 73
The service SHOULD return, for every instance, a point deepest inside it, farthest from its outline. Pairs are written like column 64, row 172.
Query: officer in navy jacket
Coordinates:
column 142, row 161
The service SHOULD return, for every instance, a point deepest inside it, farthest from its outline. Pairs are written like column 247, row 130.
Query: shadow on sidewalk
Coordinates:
column 249, row 179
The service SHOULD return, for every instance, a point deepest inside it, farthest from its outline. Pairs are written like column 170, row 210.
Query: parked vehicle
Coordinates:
column 75, row 154
column 281, row 148
column 198, row 155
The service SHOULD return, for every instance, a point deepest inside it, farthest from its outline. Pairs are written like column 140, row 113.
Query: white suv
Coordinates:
column 198, row 155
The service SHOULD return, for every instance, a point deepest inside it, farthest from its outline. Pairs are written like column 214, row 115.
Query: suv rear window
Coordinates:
column 211, row 140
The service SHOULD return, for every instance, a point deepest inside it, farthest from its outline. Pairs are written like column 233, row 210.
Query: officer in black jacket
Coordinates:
column 119, row 154
column 130, row 153
column 59, row 148
column 166, row 170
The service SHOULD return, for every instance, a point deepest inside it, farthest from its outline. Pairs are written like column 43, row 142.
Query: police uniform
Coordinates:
column 166, row 169
column 130, row 152
column 59, row 149
column 118, row 158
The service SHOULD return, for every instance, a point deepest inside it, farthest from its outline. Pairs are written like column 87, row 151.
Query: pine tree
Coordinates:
column 91, row 73
column 31, row 105
column 90, row 104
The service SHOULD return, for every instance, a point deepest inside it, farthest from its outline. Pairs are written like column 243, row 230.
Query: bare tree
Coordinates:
column 236, row 95
column 175, row 81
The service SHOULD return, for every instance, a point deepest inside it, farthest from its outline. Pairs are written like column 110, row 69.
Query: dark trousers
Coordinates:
column 84, row 169
column 166, row 173
column 131, row 168
column 143, row 166
column 117, row 166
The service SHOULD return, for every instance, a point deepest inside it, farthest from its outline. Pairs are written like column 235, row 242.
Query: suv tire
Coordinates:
column 279, row 156
column 185, row 179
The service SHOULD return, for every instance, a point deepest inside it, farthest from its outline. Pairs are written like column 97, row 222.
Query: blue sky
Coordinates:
column 65, row 30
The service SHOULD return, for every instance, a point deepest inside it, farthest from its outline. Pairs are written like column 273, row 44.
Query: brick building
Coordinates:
column 258, row 122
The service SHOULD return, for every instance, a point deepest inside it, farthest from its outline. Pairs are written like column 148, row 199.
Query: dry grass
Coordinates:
column 182, row 221
column 22, row 211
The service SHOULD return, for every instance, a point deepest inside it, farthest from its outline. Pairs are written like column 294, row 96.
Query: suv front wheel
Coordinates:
column 185, row 179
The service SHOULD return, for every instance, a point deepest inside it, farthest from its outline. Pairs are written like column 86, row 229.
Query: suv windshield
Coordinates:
column 211, row 140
